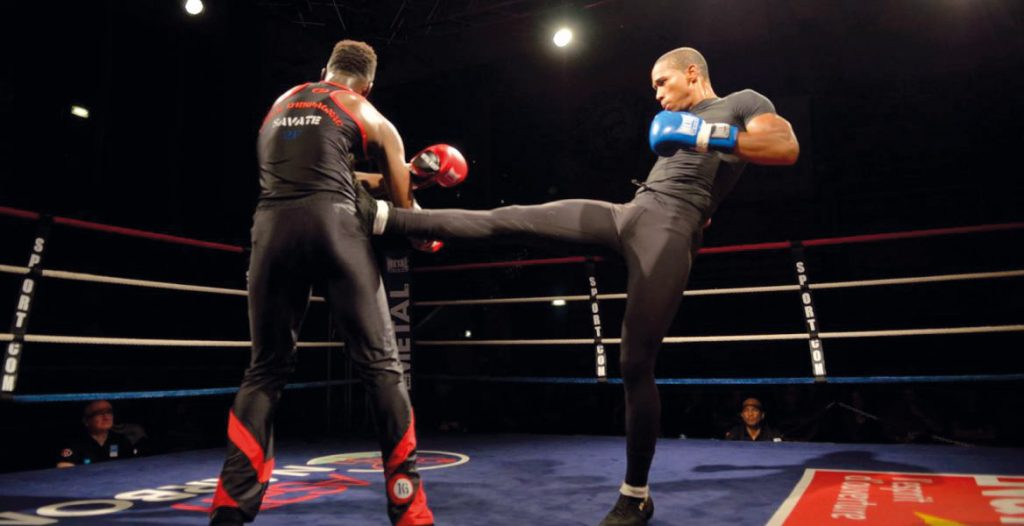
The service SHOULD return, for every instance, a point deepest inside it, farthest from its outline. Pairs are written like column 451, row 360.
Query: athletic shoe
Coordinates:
column 630, row 511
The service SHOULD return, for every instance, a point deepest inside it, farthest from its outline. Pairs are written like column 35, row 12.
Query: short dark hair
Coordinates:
column 682, row 57
column 354, row 58
column 752, row 402
column 86, row 413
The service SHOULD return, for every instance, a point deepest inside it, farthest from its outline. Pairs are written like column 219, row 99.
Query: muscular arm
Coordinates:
column 390, row 155
column 372, row 181
column 384, row 145
column 769, row 139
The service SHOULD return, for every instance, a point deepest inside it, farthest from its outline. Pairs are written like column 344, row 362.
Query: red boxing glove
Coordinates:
column 441, row 164
column 424, row 245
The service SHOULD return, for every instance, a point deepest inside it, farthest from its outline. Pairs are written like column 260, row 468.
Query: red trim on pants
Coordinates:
column 403, row 448
column 221, row 499
column 244, row 441
column 418, row 513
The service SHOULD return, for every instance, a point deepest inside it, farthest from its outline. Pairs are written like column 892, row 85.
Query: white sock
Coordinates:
column 635, row 492
column 380, row 221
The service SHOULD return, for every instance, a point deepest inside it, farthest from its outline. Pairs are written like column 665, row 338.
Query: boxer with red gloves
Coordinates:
column 701, row 154
column 440, row 164
column 305, row 231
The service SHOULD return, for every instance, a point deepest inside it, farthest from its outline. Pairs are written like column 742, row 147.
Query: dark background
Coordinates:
column 907, row 114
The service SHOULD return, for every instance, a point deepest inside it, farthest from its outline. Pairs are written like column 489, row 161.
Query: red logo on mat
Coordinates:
column 824, row 497
column 284, row 493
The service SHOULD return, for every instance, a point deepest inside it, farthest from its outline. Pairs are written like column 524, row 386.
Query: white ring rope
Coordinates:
column 154, row 342
column 113, row 280
column 147, row 342
column 88, row 340
column 743, row 337
column 739, row 290
column 96, row 278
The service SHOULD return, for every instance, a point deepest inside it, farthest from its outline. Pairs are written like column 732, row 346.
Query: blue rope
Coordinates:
column 180, row 393
column 740, row 381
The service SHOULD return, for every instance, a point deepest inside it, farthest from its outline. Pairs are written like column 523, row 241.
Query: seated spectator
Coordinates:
column 753, row 429
column 98, row 442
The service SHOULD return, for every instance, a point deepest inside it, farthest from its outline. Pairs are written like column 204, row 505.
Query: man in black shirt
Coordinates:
column 753, row 429
column 98, row 443
column 704, row 142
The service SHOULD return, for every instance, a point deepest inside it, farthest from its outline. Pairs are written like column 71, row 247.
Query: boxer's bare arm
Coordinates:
column 389, row 153
column 384, row 145
column 391, row 159
column 373, row 182
column 769, row 139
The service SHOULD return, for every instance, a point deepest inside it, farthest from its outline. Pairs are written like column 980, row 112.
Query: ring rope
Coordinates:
column 154, row 342
column 739, row 290
column 120, row 230
column 774, row 245
column 741, row 337
column 175, row 393
column 740, row 381
column 113, row 280
column 97, row 278
column 767, row 246
column 148, row 342
column 919, row 279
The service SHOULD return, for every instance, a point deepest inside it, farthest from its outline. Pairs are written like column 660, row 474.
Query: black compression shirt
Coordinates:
column 704, row 179
column 306, row 144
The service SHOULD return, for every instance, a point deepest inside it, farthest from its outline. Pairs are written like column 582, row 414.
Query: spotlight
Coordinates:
column 558, row 303
column 563, row 37
column 79, row 111
column 194, row 7
column 469, row 334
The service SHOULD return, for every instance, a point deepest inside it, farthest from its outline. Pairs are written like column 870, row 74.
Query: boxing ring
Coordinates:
column 545, row 479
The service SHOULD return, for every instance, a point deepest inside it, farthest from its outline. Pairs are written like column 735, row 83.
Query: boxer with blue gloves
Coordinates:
column 703, row 143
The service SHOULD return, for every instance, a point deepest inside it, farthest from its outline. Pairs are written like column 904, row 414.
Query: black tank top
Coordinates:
column 306, row 144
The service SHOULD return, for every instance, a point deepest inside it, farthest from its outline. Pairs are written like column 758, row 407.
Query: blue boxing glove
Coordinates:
column 672, row 130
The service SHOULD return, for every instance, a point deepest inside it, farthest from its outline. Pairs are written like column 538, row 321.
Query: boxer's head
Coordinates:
column 680, row 79
column 354, row 64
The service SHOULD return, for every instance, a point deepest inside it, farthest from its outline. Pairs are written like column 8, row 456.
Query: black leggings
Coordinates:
column 294, row 244
column 657, row 235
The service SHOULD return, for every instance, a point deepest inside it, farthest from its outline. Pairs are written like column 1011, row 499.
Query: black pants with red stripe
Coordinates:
column 658, row 236
column 294, row 244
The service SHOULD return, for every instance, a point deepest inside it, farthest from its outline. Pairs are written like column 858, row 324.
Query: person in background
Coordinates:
column 753, row 429
column 99, row 442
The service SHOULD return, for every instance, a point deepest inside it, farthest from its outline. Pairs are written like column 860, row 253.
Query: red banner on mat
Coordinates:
column 832, row 497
